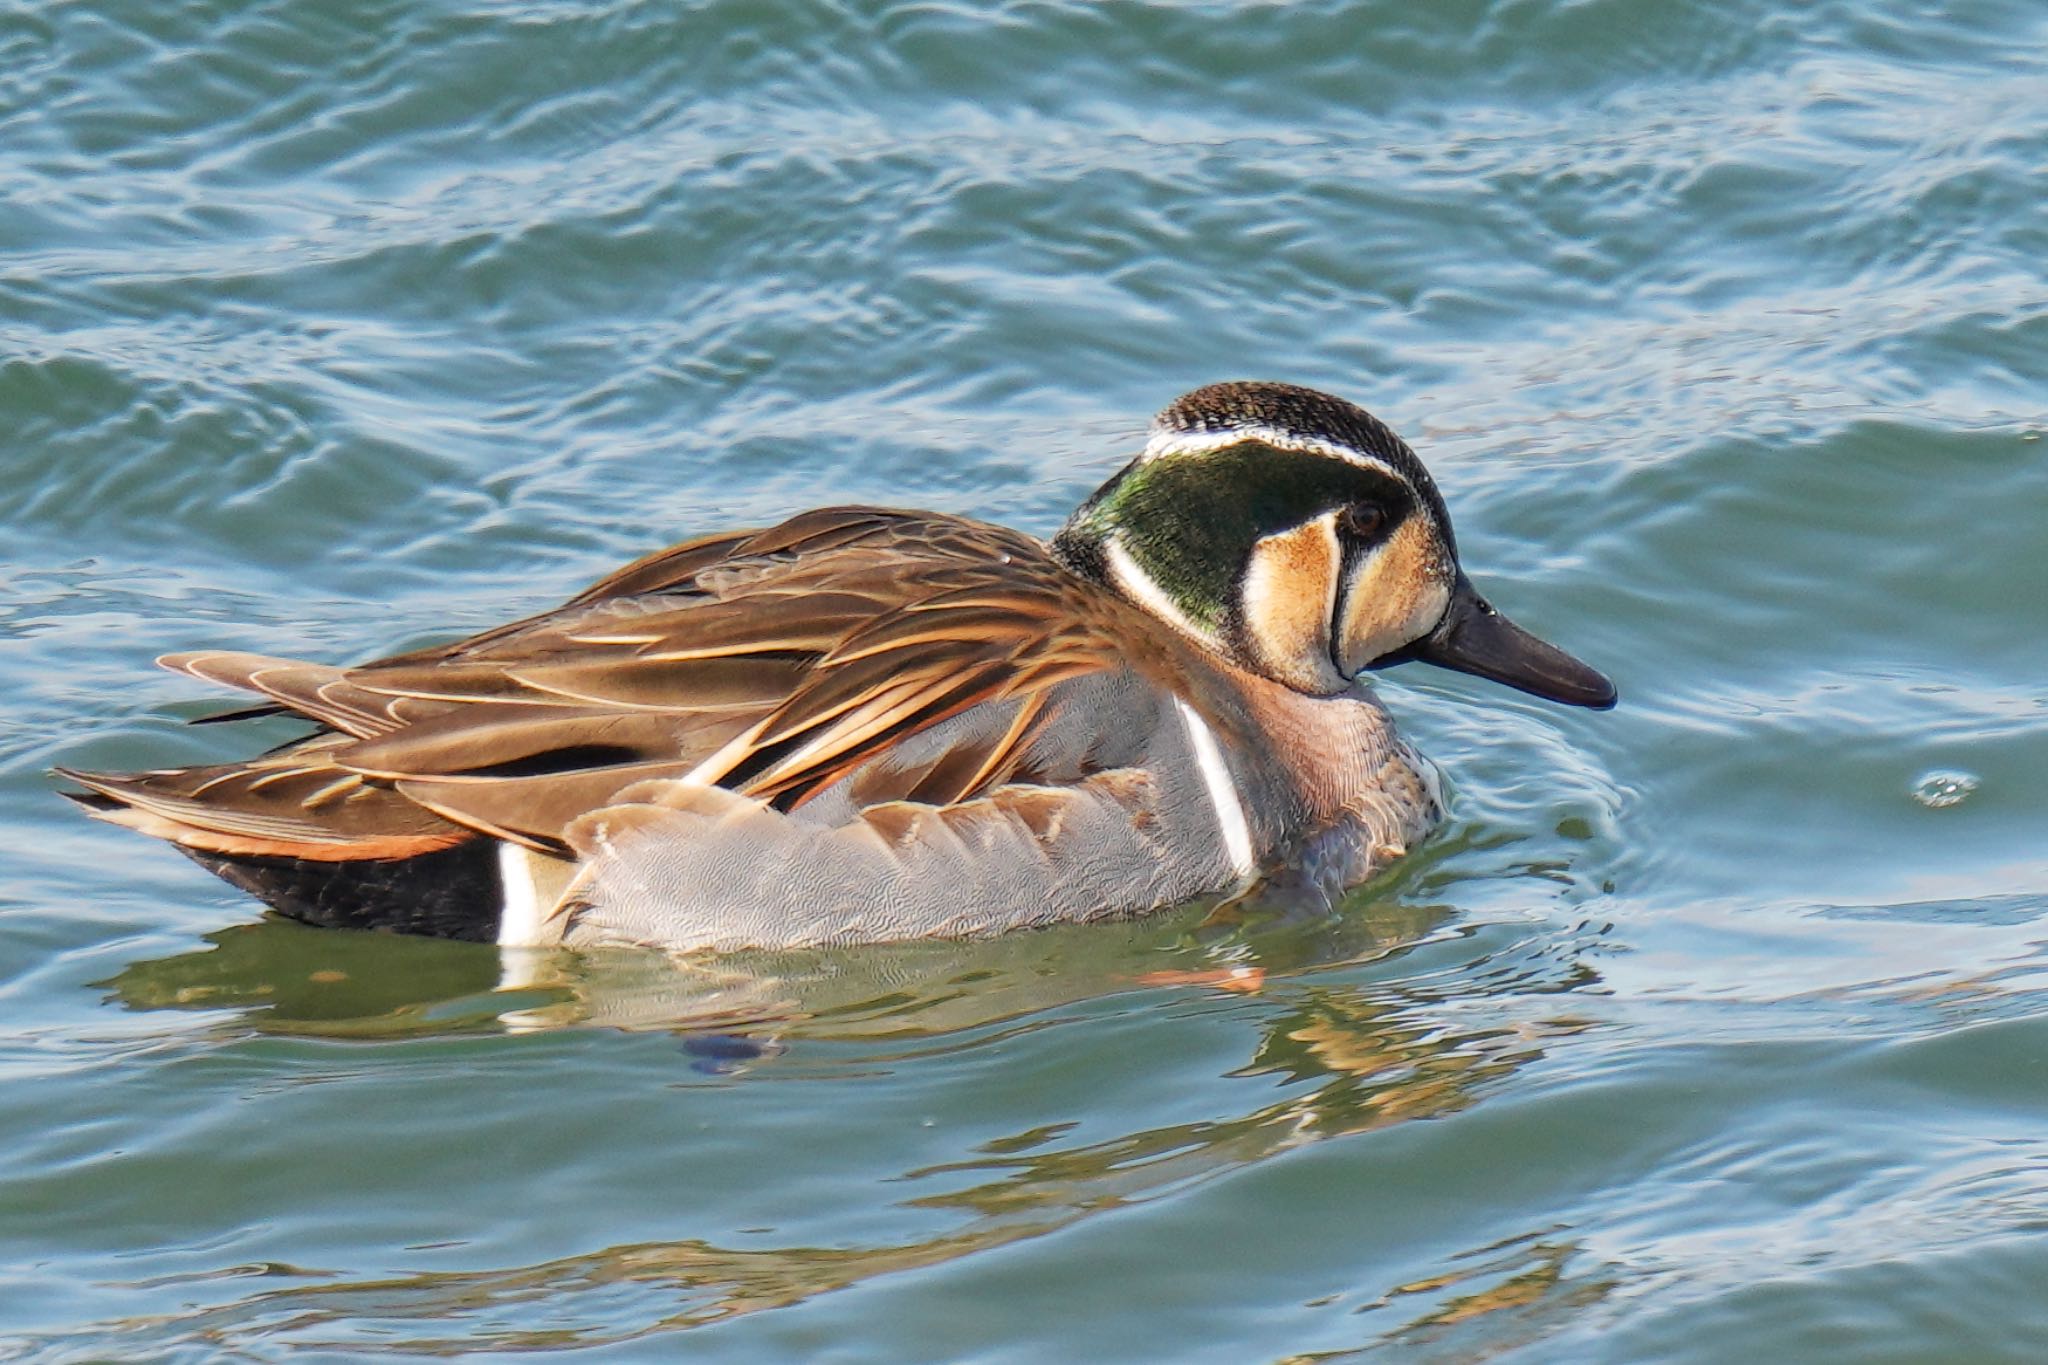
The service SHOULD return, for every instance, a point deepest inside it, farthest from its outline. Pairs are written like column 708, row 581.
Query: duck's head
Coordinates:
column 1297, row 536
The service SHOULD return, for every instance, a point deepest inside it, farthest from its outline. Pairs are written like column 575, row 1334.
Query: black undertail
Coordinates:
column 451, row 893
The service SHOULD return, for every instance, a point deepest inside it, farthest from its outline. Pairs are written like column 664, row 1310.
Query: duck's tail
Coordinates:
column 312, row 841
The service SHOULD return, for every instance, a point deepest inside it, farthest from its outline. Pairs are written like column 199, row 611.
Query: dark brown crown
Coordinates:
column 1304, row 414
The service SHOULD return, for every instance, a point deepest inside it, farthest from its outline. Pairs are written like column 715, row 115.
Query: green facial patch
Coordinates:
column 1190, row 520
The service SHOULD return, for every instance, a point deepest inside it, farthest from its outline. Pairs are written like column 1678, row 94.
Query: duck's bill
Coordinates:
column 1474, row 638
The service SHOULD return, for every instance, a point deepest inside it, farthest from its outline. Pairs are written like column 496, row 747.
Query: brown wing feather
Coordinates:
column 316, row 691
column 774, row 662
column 293, row 803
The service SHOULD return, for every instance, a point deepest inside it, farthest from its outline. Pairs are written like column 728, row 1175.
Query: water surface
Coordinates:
column 1697, row 1034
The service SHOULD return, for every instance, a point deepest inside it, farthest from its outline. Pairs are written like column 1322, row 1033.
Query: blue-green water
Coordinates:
column 1697, row 1035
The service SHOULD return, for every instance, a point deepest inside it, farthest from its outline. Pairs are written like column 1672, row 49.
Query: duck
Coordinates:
column 866, row 724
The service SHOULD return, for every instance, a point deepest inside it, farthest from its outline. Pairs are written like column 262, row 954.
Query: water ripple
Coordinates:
column 1694, row 1035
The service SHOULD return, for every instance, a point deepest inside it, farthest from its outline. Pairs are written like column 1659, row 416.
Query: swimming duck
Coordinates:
column 866, row 724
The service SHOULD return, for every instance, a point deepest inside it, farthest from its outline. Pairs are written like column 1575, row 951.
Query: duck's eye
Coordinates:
column 1362, row 520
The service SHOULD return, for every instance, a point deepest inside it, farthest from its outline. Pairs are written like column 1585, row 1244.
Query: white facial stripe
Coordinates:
column 1140, row 587
column 1237, row 832
column 1164, row 443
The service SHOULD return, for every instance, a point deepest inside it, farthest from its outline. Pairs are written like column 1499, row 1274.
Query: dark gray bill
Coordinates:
column 1474, row 638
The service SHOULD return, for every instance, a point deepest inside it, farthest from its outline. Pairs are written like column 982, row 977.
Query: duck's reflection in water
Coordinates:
column 277, row 976
column 1355, row 1057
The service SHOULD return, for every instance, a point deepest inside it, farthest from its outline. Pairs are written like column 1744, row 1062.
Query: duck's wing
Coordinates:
column 772, row 663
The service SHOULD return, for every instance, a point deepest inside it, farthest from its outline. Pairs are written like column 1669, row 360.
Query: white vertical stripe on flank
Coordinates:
column 1237, row 834
column 519, row 920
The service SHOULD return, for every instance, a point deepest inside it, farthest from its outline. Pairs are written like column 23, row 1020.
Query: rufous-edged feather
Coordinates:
column 316, row 691
column 751, row 664
column 776, row 662
column 292, row 804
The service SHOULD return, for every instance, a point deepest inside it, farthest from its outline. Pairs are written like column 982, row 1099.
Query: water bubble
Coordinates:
column 1941, row 789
